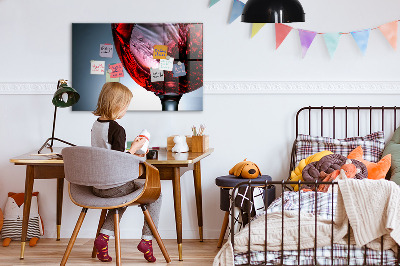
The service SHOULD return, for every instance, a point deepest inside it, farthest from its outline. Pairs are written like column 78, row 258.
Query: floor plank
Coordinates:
column 50, row 252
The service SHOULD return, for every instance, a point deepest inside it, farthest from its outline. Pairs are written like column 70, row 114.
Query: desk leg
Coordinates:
column 60, row 190
column 176, row 182
column 27, row 206
column 199, row 204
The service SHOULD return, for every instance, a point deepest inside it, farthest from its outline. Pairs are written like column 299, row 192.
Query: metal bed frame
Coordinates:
column 284, row 184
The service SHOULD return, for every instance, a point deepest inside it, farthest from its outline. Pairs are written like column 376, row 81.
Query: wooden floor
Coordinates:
column 50, row 252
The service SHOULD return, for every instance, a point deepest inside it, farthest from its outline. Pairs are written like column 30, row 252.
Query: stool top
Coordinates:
column 230, row 181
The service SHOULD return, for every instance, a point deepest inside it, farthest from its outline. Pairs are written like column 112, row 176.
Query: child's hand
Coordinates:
column 143, row 155
column 137, row 144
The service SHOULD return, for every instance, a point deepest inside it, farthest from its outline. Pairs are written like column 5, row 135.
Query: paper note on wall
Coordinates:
column 160, row 51
column 97, row 67
column 106, row 50
column 156, row 74
column 167, row 64
column 117, row 70
column 110, row 79
column 179, row 70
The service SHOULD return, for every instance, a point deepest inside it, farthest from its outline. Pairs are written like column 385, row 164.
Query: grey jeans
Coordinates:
column 154, row 208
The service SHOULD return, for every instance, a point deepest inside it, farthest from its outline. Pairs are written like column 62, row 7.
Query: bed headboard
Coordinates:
column 344, row 121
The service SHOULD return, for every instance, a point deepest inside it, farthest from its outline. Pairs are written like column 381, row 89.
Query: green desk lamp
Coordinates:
column 65, row 96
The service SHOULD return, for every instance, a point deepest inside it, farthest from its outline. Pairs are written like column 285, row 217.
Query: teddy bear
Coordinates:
column 1, row 219
column 245, row 169
column 180, row 144
column 13, row 215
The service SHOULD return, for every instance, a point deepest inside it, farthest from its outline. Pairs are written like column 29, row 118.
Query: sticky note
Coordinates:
column 179, row 70
column 156, row 74
column 167, row 64
column 160, row 51
column 97, row 67
column 117, row 70
column 110, row 79
column 106, row 50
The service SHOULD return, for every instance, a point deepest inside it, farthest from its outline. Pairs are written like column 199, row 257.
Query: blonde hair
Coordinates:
column 113, row 98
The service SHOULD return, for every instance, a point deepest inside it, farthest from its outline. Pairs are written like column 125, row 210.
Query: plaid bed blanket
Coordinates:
column 307, row 202
column 321, row 204
column 324, row 257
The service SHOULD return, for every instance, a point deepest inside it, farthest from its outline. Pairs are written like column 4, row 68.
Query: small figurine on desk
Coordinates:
column 180, row 144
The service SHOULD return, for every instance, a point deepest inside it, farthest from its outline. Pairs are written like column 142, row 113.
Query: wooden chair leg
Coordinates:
column 73, row 237
column 117, row 238
column 101, row 222
column 223, row 229
column 154, row 230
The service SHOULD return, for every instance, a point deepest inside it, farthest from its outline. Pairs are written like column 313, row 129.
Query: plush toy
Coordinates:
column 1, row 220
column 13, row 215
column 296, row 174
column 375, row 170
column 180, row 144
column 245, row 169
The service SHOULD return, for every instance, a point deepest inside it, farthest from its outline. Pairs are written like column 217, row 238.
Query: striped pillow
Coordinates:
column 372, row 145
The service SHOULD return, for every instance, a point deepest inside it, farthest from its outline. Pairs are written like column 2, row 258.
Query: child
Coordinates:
column 112, row 104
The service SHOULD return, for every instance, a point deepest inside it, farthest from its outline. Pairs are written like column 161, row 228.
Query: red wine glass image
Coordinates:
column 135, row 42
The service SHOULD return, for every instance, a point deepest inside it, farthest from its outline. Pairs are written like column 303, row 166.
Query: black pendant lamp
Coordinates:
column 273, row 11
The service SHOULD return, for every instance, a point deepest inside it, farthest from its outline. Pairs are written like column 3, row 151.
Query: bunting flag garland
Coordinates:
column 332, row 41
column 306, row 39
column 213, row 2
column 256, row 27
column 281, row 31
column 237, row 8
column 389, row 30
column 361, row 37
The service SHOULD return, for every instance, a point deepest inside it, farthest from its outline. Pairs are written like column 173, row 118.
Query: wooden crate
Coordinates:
column 171, row 143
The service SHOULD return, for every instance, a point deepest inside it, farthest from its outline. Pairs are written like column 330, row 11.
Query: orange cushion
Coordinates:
column 375, row 170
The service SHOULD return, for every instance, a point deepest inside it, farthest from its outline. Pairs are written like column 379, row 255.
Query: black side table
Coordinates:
column 226, row 183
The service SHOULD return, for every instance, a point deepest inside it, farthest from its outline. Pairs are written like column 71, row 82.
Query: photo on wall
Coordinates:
column 161, row 63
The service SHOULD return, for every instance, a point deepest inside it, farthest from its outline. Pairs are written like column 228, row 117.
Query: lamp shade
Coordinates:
column 65, row 96
column 273, row 11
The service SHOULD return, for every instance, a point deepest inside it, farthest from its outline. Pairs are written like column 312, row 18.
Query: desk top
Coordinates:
column 164, row 157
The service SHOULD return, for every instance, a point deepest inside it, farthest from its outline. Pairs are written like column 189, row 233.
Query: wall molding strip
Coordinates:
column 243, row 87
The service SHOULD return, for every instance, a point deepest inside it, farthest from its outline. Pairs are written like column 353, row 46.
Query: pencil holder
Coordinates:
column 200, row 143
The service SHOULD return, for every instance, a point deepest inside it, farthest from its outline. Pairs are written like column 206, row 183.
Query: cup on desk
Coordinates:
column 152, row 155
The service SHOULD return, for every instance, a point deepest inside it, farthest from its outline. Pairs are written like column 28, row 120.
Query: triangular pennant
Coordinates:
column 332, row 41
column 213, row 2
column 256, row 27
column 361, row 37
column 389, row 30
column 306, row 39
column 237, row 9
column 281, row 31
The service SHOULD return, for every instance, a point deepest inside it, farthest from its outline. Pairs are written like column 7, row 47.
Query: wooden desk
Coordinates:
column 168, row 164
column 40, row 167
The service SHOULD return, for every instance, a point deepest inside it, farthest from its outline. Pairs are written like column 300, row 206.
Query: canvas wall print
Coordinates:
column 161, row 63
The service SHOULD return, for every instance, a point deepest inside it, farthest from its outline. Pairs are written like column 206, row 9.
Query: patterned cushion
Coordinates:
column 372, row 144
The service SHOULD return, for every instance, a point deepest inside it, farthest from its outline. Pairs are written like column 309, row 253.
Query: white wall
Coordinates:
column 36, row 47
